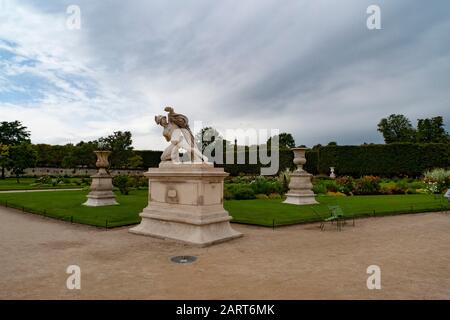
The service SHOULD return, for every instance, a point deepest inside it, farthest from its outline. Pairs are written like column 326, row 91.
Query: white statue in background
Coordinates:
column 177, row 132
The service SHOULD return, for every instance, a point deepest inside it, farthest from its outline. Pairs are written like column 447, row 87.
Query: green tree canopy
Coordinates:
column 396, row 128
column 208, row 138
column 120, row 145
column 11, row 134
column 21, row 156
column 431, row 130
column 285, row 141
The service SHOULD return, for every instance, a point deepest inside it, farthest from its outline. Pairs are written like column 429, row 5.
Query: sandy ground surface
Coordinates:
column 298, row 262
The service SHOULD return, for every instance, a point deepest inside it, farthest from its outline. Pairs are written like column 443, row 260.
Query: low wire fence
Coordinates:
column 436, row 206
column 108, row 223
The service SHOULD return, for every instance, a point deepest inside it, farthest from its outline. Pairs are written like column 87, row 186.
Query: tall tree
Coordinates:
column 4, row 155
column 431, row 130
column 11, row 134
column 82, row 155
column 135, row 161
column 209, row 137
column 120, row 145
column 22, row 156
column 285, row 140
column 396, row 128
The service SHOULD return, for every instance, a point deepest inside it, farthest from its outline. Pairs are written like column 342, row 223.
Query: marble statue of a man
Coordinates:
column 177, row 132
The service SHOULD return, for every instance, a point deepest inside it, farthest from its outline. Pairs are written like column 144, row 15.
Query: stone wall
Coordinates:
column 39, row 172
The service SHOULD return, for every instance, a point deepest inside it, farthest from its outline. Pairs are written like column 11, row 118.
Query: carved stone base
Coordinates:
column 300, row 199
column 300, row 189
column 186, row 204
column 101, row 192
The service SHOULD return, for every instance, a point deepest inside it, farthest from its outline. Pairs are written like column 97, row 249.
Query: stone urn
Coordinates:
column 332, row 174
column 299, row 158
column 102, row 160
column 300, row 187
column 101, row 187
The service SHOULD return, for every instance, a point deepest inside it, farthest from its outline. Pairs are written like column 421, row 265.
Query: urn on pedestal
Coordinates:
column 300, row 187
column 101, row 187
column 332, row 174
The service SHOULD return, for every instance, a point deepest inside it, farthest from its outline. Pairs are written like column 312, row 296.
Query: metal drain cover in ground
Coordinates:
column 183, row 259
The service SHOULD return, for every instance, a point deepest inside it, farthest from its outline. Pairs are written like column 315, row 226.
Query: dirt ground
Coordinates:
column 298, row 262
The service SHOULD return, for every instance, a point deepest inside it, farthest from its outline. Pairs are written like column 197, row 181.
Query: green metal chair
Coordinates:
column 337, row 214
column 333, row 217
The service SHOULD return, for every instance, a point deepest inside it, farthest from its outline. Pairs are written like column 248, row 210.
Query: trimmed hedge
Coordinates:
column 150, row 158
column 286, row 158
column 385, row 160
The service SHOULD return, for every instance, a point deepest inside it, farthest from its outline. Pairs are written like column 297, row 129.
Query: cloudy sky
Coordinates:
column 307, row 67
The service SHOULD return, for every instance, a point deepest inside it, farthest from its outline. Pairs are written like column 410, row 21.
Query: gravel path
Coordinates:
column 298, row 262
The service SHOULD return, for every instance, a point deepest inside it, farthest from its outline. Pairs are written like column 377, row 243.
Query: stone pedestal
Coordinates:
column 186, row 204
column 300, row 186
column 101, row 191
column 101, row 187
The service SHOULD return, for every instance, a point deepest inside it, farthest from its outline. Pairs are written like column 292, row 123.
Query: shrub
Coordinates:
column 319, row 188
column 346, row 184
column 417, row 185
column 138, row 182
column 336, row 194
column 322, row 186
column 432, row 188
column 123, row 183
column 274, row 196
column 392, row 188
column 367, row 185
column 85, row 181
column 438, row 180
column 264, row 185
column 44, row 180
column 284, row 179
column 238, row 192
column 262, row 196
column 227, row 194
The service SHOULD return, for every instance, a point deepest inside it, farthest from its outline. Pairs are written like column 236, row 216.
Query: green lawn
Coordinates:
column 268, row 212
column 66, row 205
column 29, row 184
